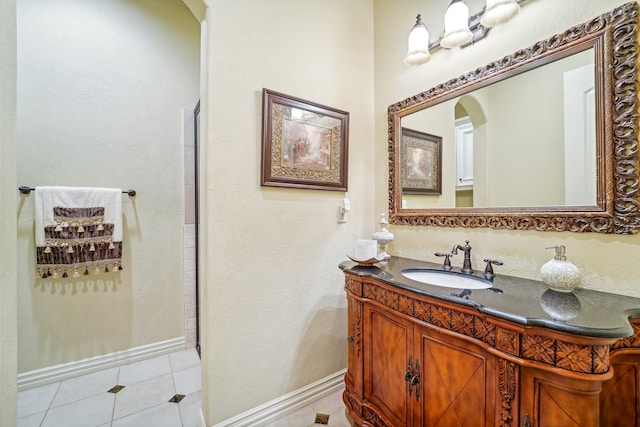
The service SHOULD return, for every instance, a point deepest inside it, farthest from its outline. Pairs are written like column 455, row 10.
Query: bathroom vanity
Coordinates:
column 516, row 354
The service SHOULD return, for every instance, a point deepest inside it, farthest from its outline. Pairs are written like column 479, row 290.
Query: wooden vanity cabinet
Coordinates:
column 552, row 400
column 620, row 395
column 416, row 360
column 558, row 399
column 403, row 372
column 416, row 375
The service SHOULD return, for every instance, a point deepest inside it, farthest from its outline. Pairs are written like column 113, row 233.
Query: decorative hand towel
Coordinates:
column 78, row 231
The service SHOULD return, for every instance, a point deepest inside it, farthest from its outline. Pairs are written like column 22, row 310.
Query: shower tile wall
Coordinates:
column 189, row 285
column 189, row 230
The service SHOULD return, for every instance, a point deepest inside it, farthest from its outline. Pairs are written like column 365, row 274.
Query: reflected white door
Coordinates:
column 580, row 136
column 464, row 152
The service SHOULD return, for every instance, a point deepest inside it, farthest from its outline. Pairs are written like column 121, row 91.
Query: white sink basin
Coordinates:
column 446, row 279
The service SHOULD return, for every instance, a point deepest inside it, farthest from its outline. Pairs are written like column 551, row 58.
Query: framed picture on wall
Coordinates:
column 304, row 144
column 421, row 157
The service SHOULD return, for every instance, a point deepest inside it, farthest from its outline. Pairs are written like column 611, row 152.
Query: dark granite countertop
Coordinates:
column 523, row 301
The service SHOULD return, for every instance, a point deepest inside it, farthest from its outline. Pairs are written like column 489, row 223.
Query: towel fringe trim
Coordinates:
column 76, row 270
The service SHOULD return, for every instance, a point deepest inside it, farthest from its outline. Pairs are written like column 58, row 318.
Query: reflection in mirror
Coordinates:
column 494, row 139
column 544, row 139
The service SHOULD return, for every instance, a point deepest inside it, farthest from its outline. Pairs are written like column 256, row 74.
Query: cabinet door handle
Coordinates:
column 408, row 375
column 350, row 338
column 526, row 422
column 412, row 377
column 415, row 381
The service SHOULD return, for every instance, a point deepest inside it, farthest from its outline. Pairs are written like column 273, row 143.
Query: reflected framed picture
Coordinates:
column 304, row 144
column 421, row 159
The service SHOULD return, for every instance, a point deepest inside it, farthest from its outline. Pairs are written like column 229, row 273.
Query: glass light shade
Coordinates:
column 418, row 52
column 456, row 25
column 498, row 12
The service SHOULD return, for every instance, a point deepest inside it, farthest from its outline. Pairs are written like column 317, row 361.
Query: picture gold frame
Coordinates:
column 304, row 144
column 421, row 156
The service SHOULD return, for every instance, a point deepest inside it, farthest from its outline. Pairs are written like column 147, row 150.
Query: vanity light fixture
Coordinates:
column 498, row 12
column 418, row 44
column 456, row 25
column 459, row 29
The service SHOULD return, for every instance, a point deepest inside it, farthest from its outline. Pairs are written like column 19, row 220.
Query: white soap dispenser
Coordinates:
column 559, row 274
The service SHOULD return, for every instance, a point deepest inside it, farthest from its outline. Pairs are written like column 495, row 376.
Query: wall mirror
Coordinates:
column 543, row 139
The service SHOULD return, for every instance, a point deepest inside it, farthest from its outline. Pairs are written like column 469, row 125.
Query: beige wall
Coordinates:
column 606, row 260
column 274, row 308
column 101, row 88
column 8, row 335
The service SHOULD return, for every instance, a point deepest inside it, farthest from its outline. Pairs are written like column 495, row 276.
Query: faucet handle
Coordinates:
column 447, row 263
column 488, row 270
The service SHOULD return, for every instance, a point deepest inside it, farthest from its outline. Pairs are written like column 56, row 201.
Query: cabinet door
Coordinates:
column 551, row 400
column 458, row 382
column 620, row 396
column 387, row 339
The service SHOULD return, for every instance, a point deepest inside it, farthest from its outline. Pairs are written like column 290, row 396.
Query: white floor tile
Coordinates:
column 329, row 404
column 184, row 359
column 91, row 412
column 190, row 411
column 84, row 386
column 144, row 400
column 188, row 380
column 33, row 420
column 302, row 418
column 339, row 419
column 165, row 415
column 144, row 370
column 36, row 399
column 143, row 395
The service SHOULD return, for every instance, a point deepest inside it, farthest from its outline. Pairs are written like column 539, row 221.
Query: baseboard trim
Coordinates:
column 52, row 374
column 287, row 404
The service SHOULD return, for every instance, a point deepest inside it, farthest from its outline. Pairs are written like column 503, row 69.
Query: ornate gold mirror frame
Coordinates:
column 613, row 36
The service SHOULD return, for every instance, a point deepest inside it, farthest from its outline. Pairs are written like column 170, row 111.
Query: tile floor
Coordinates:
column 145, row 400
column 331, row 405
column 86, row 401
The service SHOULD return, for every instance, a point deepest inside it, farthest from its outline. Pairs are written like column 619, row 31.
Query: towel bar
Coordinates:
column 27, row 190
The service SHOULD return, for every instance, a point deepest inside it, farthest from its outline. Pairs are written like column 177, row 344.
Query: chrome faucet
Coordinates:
column 466, row 265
